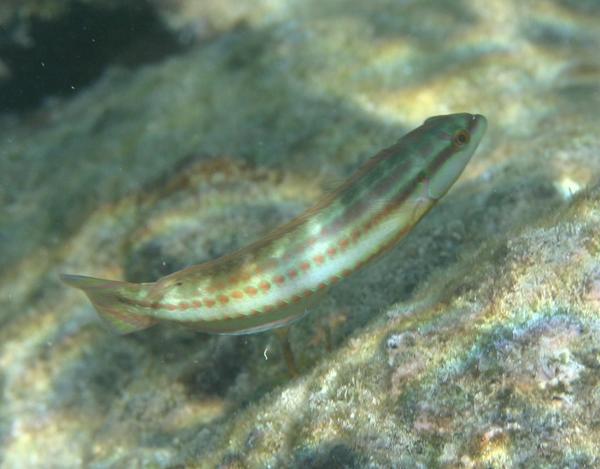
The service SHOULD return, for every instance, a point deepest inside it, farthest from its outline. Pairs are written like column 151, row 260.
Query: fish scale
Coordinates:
column 272, row 282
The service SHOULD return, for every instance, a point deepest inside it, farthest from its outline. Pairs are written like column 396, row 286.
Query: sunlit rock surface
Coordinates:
column 473, row 344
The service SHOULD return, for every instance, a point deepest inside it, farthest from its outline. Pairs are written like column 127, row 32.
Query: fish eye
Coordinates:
column 461, row 138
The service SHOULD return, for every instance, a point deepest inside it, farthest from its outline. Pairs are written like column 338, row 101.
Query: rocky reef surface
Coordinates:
column 475, row 343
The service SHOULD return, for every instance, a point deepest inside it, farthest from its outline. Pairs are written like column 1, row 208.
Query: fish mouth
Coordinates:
column 478, row 125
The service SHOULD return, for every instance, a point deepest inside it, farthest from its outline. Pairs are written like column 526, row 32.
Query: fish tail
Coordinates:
column 114, row 301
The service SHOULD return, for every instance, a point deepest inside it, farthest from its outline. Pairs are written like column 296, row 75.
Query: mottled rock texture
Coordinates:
column 473, row 344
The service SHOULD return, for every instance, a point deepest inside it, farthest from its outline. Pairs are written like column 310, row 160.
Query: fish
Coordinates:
column 271, row 283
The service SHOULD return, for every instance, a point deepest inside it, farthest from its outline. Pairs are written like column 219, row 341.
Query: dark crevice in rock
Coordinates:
column 63, row 54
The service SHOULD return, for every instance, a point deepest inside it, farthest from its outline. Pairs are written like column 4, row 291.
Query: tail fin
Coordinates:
column 114, row 301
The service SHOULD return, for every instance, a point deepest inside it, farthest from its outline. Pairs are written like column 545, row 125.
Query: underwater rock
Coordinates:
column 474, row 343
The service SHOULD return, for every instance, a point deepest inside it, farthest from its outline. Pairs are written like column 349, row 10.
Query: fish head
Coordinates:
column 452, row 140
